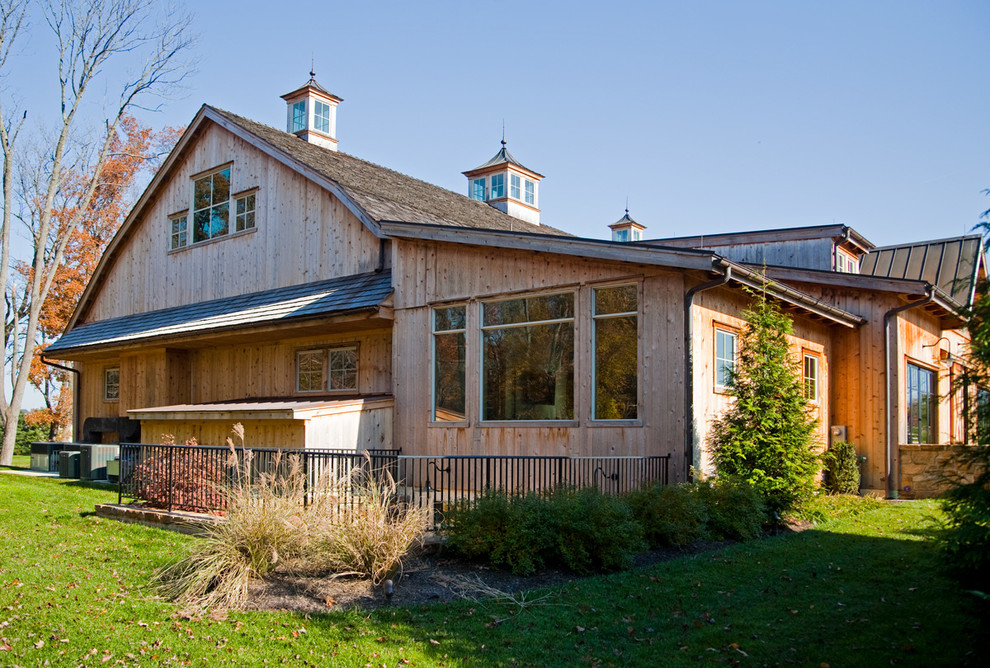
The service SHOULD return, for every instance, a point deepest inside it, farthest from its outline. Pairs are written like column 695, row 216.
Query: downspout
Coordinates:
column 75, row 393
column 893, row 421
column 381, row 257
column 689, row 363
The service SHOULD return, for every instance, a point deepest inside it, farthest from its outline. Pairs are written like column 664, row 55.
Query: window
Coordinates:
column 211, row 205
column 449, row 345
column 615, row 349
column 528, row 358
column 636, row 234
column 299, row 116
column 244, row 213
column 179, row 232
column 321, row 116
column 478, row 190
column 498, row 186
column 111, row 384
column 515, row 186
column 530, row 193
column 725, row 358
column 811, row 387
column 922, row 398
column 322, row 370
column 846, row 263
column 622, row 235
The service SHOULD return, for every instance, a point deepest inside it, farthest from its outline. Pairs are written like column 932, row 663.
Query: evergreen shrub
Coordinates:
column 841, row 469
column 735, row 508
column 671, row 515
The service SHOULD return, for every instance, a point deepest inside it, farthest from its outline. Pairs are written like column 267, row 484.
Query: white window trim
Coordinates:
column 173, row 220
column 816, row 399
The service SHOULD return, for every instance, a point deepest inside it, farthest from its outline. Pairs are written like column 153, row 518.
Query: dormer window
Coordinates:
column 299, row 116
column 478, row 190
column 845, row 263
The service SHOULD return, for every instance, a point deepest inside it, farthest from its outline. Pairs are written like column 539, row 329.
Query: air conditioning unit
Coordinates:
column 68, row 464
column 93, row 462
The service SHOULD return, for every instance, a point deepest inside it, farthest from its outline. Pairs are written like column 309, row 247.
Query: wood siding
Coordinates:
column 302, row 234
column 723, row 308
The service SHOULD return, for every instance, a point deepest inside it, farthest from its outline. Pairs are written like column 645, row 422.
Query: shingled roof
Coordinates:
column 321, row 298
column 383, row 193
column 953, row 265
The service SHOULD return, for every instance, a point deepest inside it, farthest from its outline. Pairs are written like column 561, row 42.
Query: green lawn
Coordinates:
column 20, row 462
column 861, row 591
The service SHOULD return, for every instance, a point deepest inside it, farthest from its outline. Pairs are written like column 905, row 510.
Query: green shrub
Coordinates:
column 594, row 531
column 517, row 533
column 669, row 514
column 581, row 530
column 841, row 469
column 735, row 508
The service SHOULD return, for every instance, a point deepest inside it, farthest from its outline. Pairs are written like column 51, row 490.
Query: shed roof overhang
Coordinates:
column 359, row 300
column 264, row 409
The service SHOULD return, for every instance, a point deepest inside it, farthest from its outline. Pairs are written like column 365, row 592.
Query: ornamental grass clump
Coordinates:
column 344, row 524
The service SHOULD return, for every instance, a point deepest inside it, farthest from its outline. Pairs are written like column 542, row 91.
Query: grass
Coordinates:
column 20, row 462
column 862, row 590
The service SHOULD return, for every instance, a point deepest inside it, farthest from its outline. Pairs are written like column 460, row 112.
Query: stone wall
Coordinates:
column 926, row 470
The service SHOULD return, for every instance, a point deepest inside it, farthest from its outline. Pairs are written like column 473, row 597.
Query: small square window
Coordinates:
column 179, row 232
column 343, row 369
column 111, row 384
column 478, row 190
column 244, row 217
column 310, row 370
column 515, row 186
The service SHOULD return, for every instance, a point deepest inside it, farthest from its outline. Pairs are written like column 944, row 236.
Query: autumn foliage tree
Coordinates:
column 133, row 150
column 130, row 52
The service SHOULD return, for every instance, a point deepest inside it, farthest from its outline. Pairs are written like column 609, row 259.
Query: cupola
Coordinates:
column 626, row 229
column 312, row 114
column 504, row 183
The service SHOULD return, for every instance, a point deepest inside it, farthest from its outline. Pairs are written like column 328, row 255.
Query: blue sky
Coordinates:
column 709, row 116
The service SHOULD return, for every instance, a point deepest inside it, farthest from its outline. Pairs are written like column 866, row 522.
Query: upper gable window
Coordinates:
column 178, row 226
column 211, row 205
column 321, row 117
column 299, row 116
column 846, row 263
column 244, row 213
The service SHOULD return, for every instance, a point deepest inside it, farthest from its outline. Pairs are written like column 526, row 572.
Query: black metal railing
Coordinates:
column 181, row 477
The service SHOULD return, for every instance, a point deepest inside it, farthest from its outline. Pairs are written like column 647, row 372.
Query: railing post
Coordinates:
column 171, row 463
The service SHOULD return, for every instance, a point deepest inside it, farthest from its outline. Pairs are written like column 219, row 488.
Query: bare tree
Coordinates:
column 92, row 37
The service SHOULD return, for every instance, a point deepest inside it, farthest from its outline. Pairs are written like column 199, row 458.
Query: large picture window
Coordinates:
column 528, row 358
column 616, row 341
column 211, row 205
column 922, row 404
column 449, row 344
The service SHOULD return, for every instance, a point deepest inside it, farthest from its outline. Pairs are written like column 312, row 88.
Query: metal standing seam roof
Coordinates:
column 952, row 265
column 321, row 298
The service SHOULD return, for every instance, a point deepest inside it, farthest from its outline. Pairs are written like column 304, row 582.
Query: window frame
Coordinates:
column 845, row 262
column 175, row 234
column 930, row 426
column 321, row 122
column 595, row 318
column 477, row 184
column 107, row 384
column 244, row 196
column 296, row 116
column 435, row 334
column 515, row 187
column 213, row 204
column 529, row 193
column 496, row 186
column 233, row 218
column 326, row 372
column 811, row 356
column 483, row 328
column 727, row 330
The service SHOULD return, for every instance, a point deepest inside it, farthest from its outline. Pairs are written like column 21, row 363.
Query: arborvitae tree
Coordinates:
column 767, row 436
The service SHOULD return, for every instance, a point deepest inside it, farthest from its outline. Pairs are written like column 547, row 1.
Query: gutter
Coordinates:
column 689, row 360
column 893, row 421
column 75, row 391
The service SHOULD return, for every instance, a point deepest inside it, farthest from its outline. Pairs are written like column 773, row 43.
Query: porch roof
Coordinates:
column 337, row 296
column 302, row 408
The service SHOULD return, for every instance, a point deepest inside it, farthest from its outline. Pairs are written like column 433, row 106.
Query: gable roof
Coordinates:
column 321, row 298
column 382, row 193
column 952, row 265
column 371, row 192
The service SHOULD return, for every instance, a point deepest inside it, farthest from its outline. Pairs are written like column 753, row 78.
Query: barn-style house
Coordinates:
column 266, row 278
